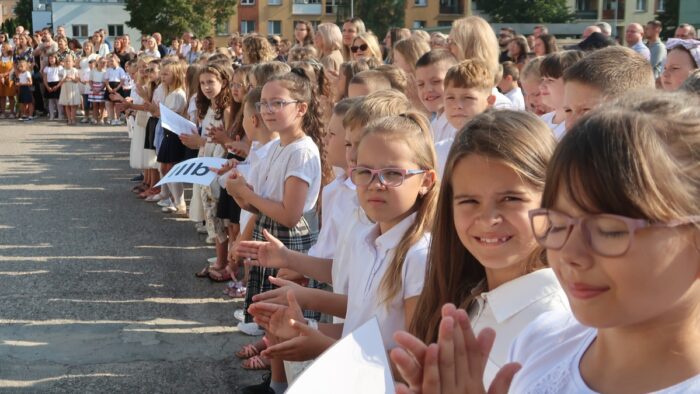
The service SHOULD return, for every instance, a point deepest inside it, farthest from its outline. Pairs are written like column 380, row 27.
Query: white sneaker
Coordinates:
column 202, row 230
column 239, row 314
column 210, row 241
column 251, row 329
column 169, row 209
column 84, row 120
column 165, row 202
column 212, row 260
column 153, row 198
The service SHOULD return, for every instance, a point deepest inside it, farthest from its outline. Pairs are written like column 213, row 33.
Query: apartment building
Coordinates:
column 81, row 18
column 7, row 9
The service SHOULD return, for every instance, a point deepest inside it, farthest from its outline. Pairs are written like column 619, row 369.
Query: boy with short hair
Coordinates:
column 366, row 82
column 468, row 91
column 431, row 69
column 601, row 76
column 509, row 85
column 530, row 79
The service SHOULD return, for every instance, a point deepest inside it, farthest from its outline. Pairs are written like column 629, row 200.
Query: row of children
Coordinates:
column 476, row 221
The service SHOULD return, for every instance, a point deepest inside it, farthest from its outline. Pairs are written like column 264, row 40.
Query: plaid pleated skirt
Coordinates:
column 300, row 238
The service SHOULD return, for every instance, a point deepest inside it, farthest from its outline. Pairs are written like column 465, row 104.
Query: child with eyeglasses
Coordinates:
column 625, row 245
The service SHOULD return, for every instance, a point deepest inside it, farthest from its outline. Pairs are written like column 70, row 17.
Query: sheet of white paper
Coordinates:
column 172, row 121
column 194, row 171
column 355, row 364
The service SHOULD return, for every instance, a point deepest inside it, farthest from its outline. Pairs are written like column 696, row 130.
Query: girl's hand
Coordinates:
column 307, row 345
column 279, row 295
column 280, row 321
column 292, row 276
column 231, row 164
column 218, row 134
column 192, row 141
column 236, row 184
column 237, row 147
column 455, row 364
column 270, row 254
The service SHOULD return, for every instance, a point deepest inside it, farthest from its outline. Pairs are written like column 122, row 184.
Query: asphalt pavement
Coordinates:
column 97, row 292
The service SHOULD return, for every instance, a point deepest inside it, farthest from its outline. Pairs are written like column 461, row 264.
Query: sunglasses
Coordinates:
column 362, row 48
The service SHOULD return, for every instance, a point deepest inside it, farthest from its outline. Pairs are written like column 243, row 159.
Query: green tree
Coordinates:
column 380, row 15
column 669, row 18
column 173, row 17
column 9, row 26
column 527, row 11
column 23, row 14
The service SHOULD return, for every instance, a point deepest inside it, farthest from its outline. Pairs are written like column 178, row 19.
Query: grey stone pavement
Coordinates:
column 97, row 292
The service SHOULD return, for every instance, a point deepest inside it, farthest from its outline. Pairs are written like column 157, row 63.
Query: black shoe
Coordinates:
column 262, row 388
column 137, row 178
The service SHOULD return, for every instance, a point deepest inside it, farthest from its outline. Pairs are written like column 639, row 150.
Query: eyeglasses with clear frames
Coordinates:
column 274, row 105
column 606, row 235
column 389, row 177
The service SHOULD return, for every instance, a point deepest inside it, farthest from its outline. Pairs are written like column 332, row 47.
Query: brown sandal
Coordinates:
column 256, row 363
column 248, row 351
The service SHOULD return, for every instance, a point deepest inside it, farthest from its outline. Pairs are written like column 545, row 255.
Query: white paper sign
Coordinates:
column 355, row 364
column 172, row 121
column 194, row 171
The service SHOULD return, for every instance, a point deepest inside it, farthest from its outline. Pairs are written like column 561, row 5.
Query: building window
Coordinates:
column 274, row 27
column 115, row 30
column 332, row 6
column 307, row 1
column 418, row 24
column 80, row 30
column 444, row 23
column 247, row 2
column 222, row 28
column 315, row 24
column 247, row 27
column 641, row 5
column 661, row 7
column 274, row 2
column 421, row 3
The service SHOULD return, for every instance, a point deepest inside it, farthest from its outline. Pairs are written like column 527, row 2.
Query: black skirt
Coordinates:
column 171, row 149
column 149, row 141
column 55, row 94
column 25, row 94
column 227, row 207
column 112, row 85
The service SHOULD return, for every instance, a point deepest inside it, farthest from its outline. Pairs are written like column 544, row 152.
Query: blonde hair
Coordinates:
column 517, row 139
column 374, row 79
column 651, row 156
column 396, row 76
column 299, row 54
column 372, row 44
column 532, row 69
column 375, row 105
column 412, row 49
column 475, row 40
column 413, row 129
column 332, row 36
column 178, row 69
column 256, row 49
column 470, row 74
column 421, row 35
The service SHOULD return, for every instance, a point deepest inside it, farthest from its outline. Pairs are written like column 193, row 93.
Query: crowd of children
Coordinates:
column 523, row 222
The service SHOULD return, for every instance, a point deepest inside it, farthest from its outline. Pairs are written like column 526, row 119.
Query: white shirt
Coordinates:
column 550, row 351
column 96, row 75
column 300, row 159
column 557, row 128
column 176, row 100
column 114, row 74
column 442, row 150
column 256, row 156
column 152, row 53
column 502, row 102
column 510, row 307
column 185, row 49
column 369, row 259
column 128, row 82
column 24, row 77
column 192, row 109
column 337, row 198
column 442, row 129
column 85, row 61
column 158, row 95
column 53, row 74
column 516, row 97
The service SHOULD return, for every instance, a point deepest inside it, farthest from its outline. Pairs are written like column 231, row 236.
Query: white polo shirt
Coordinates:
column 502, row 102
column 442, row 150
column 442, row 129
column 510, row 307
column 368, row 260
column 338, row 197
column 557, row 128
column 550, row 351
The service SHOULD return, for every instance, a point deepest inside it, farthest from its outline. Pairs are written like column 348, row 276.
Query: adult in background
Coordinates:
column 656, row 48
column 505, row 36
column 351, row 28
column 186, row 45
column 99, row 44
column 518, row 50
column 538, row 30
column 634, row 33
column 605, row 28
column 685, row 31
column 162, row 49
column 328, row 40
column 303, row 34
column 545, row 44
column 590, row 30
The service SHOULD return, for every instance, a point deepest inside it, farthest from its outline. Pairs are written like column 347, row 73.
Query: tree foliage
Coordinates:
column 173, row 17
column 380, row 15
column 527, row 11
column 9, row 25
column 669, row 18
column 23, row 14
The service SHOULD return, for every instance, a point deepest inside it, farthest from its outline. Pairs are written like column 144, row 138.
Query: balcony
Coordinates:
column 307, row 7
column 587, row 15
column 451, row 7
column 609, row 9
